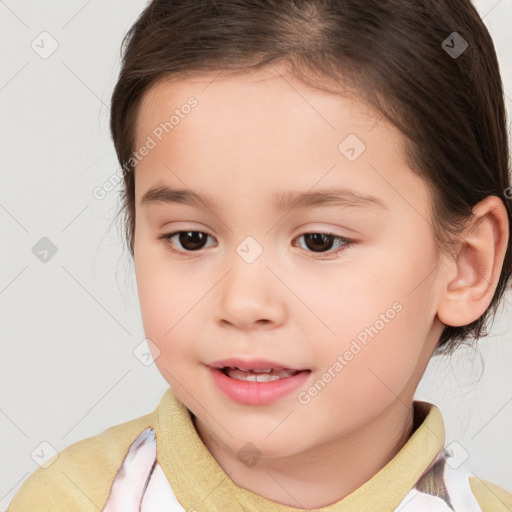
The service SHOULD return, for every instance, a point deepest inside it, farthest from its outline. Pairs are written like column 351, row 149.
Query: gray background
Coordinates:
column 70, row 325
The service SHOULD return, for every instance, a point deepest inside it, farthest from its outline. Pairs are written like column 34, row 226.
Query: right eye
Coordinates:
column 191, row 241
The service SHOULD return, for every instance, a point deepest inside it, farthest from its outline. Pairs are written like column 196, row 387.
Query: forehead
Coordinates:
column 230, row 95
column 263, row 129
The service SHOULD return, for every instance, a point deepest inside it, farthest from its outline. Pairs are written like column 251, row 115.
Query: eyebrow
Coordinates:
column 335, row 196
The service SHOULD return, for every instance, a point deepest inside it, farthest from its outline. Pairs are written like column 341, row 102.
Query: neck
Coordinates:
column 323, row 474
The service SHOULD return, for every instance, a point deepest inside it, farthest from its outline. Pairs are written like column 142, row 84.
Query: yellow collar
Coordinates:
column 200, row 483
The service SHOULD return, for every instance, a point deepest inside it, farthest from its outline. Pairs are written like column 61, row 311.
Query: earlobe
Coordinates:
column 477, row 264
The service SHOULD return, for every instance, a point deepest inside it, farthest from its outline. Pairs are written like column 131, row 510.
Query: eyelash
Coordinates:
column 166, row 239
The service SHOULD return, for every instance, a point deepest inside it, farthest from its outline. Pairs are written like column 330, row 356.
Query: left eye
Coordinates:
column 193, row 241
column 324, row 241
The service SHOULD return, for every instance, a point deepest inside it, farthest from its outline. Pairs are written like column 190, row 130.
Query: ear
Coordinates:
column 476, row 265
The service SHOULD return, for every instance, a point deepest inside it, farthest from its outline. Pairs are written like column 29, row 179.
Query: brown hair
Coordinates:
column 398, row 55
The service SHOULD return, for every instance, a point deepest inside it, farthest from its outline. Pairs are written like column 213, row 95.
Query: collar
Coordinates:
column 199, row 482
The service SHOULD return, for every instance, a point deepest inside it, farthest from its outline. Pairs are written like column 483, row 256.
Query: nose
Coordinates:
column 251, row 296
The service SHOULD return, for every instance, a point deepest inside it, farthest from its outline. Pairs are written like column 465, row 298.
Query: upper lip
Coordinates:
column 251, row 364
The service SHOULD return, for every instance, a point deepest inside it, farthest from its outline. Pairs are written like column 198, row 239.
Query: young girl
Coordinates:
column 317, row 201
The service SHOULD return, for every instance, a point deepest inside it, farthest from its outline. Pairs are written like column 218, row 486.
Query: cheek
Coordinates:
column 167, row 302
column 377, row 320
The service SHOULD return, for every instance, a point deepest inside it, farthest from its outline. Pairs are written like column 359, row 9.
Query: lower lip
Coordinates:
column 257, row 393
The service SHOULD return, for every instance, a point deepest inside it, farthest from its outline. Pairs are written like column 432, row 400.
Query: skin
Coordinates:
column 263, row 132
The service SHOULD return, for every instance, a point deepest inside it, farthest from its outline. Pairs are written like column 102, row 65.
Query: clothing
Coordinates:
column 161, row 457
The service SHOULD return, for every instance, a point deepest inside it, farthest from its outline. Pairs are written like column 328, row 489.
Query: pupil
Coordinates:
column 195, row 236
column 318, row 238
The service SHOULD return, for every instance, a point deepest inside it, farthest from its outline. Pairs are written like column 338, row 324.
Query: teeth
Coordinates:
column 258, row 375
column 265, row 370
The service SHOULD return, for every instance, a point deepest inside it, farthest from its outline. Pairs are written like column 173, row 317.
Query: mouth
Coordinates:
column 256, row 382
column 255, row 370
column 259, row 375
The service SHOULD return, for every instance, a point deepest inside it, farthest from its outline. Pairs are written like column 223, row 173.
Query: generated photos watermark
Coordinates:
column 356, row 346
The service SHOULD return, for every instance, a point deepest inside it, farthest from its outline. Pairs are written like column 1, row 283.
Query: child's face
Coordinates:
column 371, row 308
